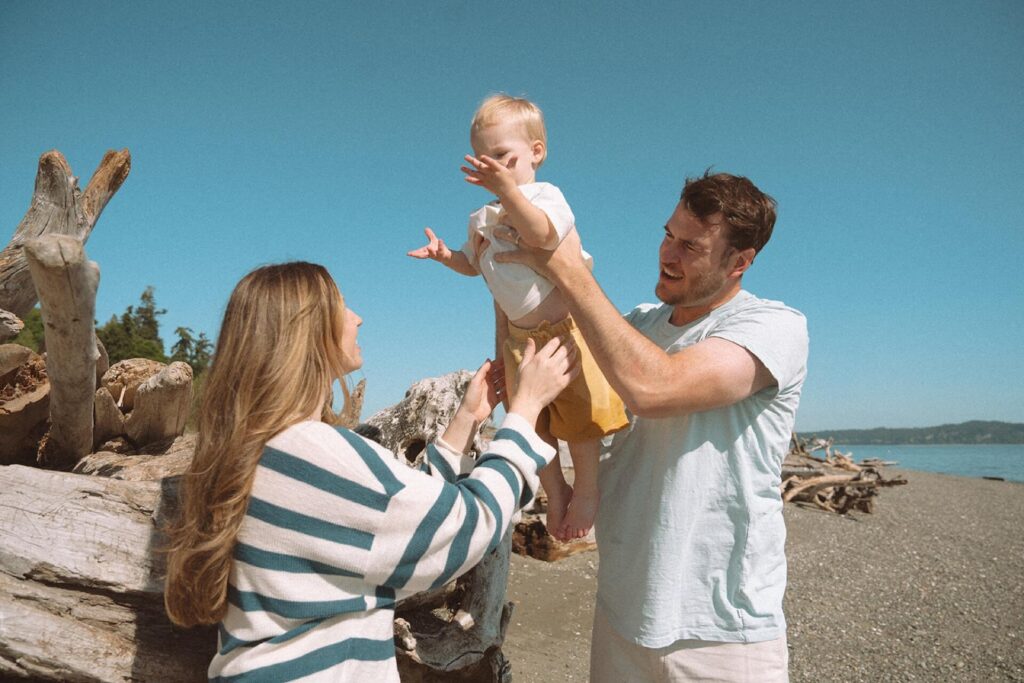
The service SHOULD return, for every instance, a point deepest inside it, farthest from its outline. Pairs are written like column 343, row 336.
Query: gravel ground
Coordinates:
column 928, row 588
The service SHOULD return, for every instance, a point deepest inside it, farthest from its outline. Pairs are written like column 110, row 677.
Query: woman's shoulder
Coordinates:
column 312, row 439
column 317, row 441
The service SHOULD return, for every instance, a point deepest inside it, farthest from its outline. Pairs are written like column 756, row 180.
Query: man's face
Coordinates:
column 694, row 258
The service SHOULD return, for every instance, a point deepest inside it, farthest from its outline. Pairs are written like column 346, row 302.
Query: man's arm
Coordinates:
column 710, row 374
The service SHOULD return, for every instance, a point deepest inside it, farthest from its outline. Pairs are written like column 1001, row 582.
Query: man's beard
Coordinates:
column 699, row 291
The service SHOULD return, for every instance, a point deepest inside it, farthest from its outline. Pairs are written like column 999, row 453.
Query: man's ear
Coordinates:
column 742, row 260
column 538, row 149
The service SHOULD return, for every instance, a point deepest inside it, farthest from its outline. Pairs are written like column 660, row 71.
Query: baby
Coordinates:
column 509, row 145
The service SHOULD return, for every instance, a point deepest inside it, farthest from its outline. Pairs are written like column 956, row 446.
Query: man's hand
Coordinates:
column 435, row 249
column 491, row 174
column 555, row 264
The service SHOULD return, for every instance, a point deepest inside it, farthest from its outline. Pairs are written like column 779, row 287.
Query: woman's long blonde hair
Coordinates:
column 277, row 356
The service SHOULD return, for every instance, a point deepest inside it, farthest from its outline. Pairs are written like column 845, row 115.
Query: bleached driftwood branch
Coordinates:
column 66, row 283
column 58, row 207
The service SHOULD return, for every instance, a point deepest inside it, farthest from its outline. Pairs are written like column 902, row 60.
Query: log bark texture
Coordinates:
column 10, row 325
column 81, row 582
column 66, row 283
column 24, row 404
column 58, row 207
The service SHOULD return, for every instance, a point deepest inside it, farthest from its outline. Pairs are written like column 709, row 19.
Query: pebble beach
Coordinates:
column 930, row 587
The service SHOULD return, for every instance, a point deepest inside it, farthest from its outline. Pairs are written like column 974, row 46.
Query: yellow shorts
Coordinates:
column 586, row 409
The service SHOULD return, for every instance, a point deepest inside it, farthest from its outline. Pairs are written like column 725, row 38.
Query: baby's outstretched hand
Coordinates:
column 491, row 174
column 435, row 248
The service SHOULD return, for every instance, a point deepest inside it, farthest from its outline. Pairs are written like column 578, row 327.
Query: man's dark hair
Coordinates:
column 749, row 212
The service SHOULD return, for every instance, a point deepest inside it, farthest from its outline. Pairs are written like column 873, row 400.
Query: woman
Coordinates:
column 297, row 536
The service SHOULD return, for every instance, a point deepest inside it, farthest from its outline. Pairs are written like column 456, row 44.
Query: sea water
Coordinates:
column 991, row 460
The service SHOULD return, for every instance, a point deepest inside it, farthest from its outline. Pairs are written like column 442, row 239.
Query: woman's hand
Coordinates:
column 483, row 393
column 542, row 376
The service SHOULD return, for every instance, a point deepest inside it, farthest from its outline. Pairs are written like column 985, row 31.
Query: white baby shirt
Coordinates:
column 517, row 289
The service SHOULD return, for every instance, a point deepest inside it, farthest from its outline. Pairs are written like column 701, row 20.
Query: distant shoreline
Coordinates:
column 972, row 433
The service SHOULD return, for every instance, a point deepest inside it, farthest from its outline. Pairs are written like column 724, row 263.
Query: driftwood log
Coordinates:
column 66, row 281
column 81, row 581
column 58, row 207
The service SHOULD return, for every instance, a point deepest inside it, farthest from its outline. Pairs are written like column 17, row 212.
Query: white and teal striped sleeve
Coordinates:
column 438, row 527
column 441, row 460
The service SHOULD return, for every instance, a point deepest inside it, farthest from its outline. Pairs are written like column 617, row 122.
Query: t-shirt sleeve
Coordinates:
column 774, row 333
column 551, row 201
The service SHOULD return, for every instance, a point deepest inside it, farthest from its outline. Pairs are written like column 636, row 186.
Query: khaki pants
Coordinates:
column 613, row 659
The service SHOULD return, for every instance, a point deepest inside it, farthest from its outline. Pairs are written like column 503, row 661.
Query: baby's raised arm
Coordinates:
column 437, row 250
column 532, row 224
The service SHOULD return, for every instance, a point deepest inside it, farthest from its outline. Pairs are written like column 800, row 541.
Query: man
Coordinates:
column 690, row 529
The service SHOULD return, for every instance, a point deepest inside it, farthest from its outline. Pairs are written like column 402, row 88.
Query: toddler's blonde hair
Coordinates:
column 502, row 108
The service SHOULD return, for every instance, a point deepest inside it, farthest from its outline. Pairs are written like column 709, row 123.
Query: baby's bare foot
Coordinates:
column 558, row 503
column 579, row 517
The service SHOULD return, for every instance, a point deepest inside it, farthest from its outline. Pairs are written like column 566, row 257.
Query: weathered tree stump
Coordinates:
column 161, row 405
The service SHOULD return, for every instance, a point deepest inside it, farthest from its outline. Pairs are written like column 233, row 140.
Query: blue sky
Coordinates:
column 891, row 136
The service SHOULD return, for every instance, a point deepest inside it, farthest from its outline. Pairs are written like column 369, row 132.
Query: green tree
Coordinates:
column 32, row 334
column 196, row 351
column 136, row 333
column 202, row 354
column 183, row 348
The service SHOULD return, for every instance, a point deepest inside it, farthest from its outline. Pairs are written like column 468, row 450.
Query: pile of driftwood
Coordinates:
column 832, row 482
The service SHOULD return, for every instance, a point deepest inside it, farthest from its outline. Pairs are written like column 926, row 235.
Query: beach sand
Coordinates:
column 928, row 588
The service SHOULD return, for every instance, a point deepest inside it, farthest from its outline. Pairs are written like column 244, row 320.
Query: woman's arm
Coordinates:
column 457, row 523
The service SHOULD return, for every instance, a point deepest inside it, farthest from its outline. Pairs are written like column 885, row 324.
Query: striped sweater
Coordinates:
column 338, row 530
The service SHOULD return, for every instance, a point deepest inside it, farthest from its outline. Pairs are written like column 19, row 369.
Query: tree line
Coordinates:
column 135, row 334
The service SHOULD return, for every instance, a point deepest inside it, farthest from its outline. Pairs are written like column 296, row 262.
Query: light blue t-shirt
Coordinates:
column 690, row 528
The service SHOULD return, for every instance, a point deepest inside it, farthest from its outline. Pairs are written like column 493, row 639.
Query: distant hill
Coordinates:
column 973, row 432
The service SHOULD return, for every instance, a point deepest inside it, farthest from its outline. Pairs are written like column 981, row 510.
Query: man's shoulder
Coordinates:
column 645, row 314
column 751, row 306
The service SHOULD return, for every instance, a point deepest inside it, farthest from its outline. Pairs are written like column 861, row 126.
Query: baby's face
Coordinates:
column 508, row 144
